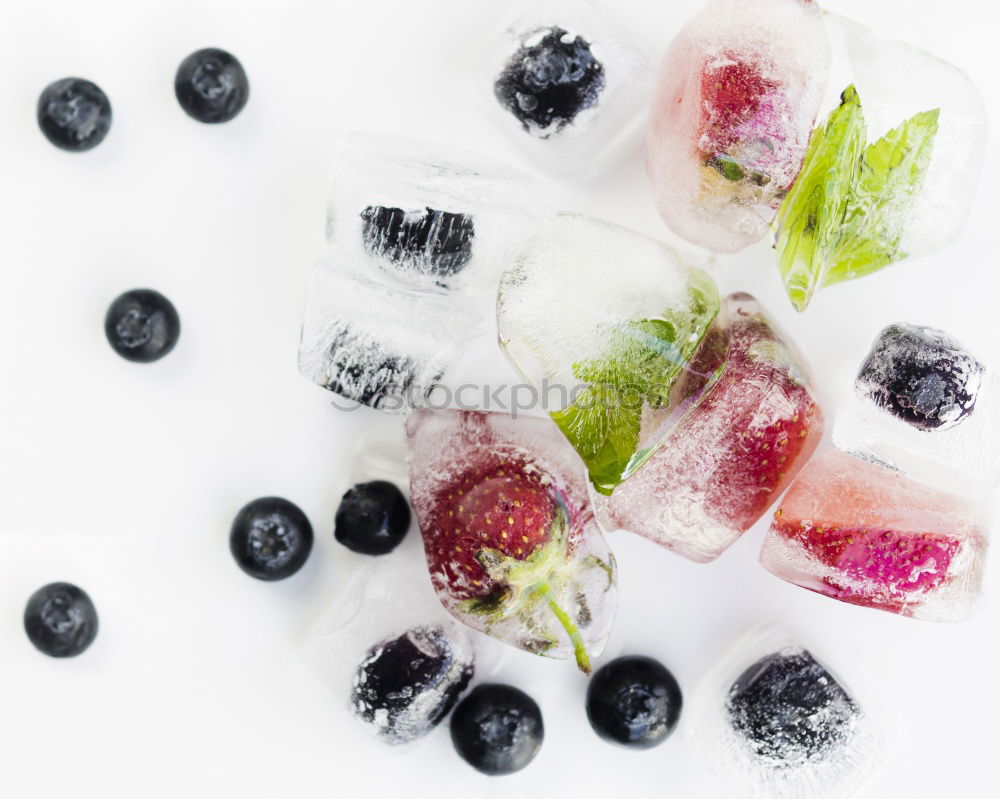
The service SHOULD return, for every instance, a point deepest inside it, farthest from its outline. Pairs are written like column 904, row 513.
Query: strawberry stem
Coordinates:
column 579, row 649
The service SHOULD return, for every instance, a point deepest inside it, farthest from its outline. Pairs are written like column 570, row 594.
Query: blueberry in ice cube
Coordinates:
column 60, row 620
column 428, row 241
column 790, row 710
column 921, row 376
column 549, row 81
column 497, row 729
column 634, row 701
column 211, row 85
column 270, row 538
column 372, row 518
column 142, row 325
column 405, row 686
column 74, row 114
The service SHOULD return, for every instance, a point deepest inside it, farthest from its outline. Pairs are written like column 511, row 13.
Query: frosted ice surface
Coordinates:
column 780, row 724
column 377, row 344
column 926, row 405
column 509, row 535
column 738, row 92
column 430, row 216
column 865, row 534
column 611, row 328
column 733, row 453
column 568, row 85
column 896, row 81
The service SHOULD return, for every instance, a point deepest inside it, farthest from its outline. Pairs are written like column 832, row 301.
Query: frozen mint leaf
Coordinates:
column 845, row 215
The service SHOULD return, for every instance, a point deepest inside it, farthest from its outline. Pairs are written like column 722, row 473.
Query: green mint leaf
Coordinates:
column 643, row 361
column 845, row 216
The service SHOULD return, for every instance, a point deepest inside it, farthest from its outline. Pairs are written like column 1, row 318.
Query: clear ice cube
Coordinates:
column 924, row 404
column 378, row 344
column 780, row 725
column 733, row 454
column 428, row 216
column 569, row 86
column 612, row 330
column 510, row 539
column 739, row 89
column 868, row 535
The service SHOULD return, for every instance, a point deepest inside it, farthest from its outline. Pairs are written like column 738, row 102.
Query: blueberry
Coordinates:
column 142, row 325
column 427, row 241
column 634, row 701
column 406, row 685
column 60, row 620
column 789, row 709
column 74, row 114
column 497, row 729
column 546, row 84
column 921, row 376
column 372, row 518
column 270, row 538
column 211, row 85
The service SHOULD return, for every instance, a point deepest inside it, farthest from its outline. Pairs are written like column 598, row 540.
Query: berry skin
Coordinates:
column 497, row 729
column 372, row 518
column 634, row 701
column 921, row 376
column 142, row 325
column 270, row 538
column 60, row 620
column 74, row 114
column 405, row 687
column 790, row 709
column 547, row 84
column 431, row 242
column 211, row 86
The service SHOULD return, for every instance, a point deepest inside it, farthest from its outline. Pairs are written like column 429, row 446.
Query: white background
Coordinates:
column 124, row 478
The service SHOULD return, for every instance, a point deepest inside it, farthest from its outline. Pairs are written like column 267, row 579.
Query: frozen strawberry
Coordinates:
column 865, row 534
column 511, row 544
column 733, row 453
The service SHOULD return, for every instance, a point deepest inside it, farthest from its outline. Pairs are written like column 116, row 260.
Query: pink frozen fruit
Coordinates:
column 733, row 453
column 865, row 534
column 738, row 93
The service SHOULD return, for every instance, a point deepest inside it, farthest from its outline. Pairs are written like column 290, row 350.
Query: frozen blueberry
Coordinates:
column 634, row 701
column 790, row 709
column 430, row 242
column 372, row 518
column 548, row 82
column 60, row 620
column 405, row 686
column 270, row 538
column 74, row 114
column 142, row 325
column 921, row 376
column 211, row 85
column 497, row 729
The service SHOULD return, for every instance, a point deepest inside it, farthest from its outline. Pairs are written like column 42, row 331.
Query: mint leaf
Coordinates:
column 845, row 216
column 643, row 360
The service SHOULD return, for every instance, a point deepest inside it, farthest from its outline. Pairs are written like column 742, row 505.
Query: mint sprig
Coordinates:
column 845, row 216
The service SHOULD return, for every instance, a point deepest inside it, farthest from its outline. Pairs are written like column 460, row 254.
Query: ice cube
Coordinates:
column 891, row 171
column 376, row 344
column 611, row 328
column 567, row 83
column 734, row 452
column 862, row 533
column 738, row 92
column 387, row 648
column 923, row 403
column 780, row 724
column 509, row 534
column 428, row 216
